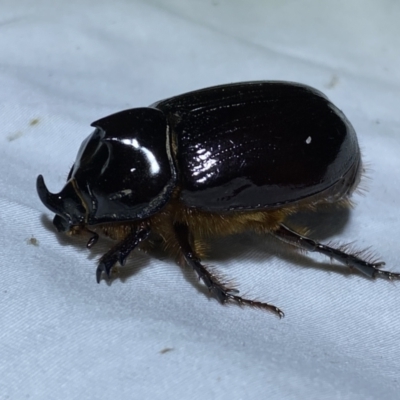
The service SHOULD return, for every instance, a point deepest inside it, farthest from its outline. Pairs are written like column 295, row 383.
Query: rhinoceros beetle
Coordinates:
column 212, row 162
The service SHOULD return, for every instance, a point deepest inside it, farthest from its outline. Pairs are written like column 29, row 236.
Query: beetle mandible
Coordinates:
column 212, row 162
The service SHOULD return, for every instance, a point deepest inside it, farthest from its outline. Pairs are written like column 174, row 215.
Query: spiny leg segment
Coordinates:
column 370, row 269
column 219, row 290
column 120, row 252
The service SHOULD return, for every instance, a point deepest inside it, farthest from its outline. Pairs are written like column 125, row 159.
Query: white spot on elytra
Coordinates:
column 308, row 140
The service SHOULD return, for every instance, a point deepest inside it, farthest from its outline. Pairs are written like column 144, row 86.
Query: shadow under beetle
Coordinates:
column 212, row 162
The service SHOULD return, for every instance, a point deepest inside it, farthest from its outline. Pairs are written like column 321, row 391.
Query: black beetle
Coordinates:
column 215, row 161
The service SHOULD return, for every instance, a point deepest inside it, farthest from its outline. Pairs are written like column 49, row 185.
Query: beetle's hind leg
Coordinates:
column 223, row 293
column 120, row 252
column 368, row 268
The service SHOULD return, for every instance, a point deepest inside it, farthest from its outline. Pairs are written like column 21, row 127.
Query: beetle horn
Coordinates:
column 52, row 201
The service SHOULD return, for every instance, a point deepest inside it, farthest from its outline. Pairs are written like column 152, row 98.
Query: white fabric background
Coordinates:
column 62, row 336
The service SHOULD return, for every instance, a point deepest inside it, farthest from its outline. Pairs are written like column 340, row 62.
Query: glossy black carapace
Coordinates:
column 216, row 161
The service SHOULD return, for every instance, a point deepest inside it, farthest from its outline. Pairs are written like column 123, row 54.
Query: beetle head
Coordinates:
column 123, row 172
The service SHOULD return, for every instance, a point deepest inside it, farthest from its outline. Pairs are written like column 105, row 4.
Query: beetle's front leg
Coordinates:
column 219, row 289
column 119, row 253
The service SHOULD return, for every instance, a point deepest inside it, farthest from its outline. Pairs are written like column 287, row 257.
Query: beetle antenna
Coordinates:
column 93, row 240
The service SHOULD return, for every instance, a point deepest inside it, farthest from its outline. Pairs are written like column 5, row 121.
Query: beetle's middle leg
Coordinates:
column 119, row 253
column 219, row 289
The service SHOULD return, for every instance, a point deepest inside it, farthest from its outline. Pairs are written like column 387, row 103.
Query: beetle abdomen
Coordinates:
column 260, row 145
